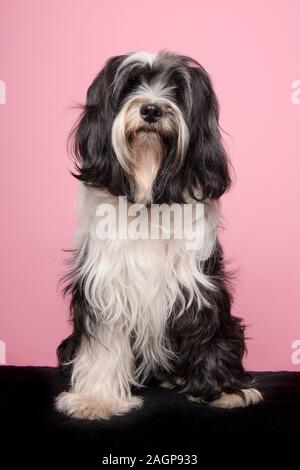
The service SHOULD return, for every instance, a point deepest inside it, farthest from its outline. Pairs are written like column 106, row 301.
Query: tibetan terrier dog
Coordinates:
column 146, row 307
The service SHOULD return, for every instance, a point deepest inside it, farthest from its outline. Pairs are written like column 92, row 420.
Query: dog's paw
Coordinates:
column 245, row 397
column 91, row 407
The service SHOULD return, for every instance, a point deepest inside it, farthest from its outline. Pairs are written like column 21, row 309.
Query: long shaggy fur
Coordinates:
column 150, row 307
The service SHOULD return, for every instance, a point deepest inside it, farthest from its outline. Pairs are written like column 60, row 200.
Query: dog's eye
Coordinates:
column 178, row 93
column 131, row 84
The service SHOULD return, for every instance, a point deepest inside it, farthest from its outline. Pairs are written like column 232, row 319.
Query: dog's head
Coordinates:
column 149, row 130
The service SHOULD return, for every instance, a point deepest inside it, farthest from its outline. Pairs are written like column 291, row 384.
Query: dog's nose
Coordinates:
column 151, row 112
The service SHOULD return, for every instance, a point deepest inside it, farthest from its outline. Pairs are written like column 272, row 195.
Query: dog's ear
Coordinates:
column 206, row 157
column 91, row 135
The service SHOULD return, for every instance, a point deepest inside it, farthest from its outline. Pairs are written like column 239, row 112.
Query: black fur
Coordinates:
column 96, row 162
column 79, row 312
column 210, row 343
column 206, row 163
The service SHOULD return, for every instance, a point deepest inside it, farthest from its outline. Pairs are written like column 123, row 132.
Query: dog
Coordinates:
column 150, row 308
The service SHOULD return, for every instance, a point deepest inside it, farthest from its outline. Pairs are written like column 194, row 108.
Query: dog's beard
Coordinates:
column 141, row 147
column 147, row 150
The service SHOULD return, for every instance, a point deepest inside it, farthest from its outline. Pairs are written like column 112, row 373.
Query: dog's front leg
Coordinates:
column 101, row 380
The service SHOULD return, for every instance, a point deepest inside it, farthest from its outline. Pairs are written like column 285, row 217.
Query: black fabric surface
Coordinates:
column 33, row 432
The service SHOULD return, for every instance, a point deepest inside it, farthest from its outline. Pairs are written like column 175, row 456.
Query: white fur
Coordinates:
column 101, row 378
column 129, row 120
column 132, row 286
column 136, row 282
column 139, row 56
column 246, row 397
column 134, row 59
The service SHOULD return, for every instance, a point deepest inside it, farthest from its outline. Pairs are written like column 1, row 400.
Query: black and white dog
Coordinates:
column 147, row 307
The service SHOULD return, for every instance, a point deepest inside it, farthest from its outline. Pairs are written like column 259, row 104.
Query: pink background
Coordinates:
column 49, row 53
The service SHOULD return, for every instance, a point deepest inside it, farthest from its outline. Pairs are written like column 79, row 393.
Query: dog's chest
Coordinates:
column 129, row 272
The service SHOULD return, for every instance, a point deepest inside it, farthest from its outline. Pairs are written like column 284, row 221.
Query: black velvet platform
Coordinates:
column 33, row 432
